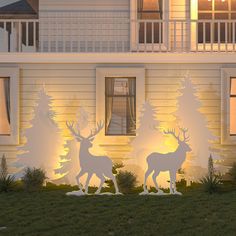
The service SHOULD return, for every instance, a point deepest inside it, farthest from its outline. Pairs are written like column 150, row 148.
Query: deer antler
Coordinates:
column 70, row 126
column 172, row 131
column 99, row 127
column 184, row 131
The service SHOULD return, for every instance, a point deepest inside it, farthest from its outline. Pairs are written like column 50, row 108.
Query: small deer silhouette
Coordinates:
column 101, row 166
column 171, row 162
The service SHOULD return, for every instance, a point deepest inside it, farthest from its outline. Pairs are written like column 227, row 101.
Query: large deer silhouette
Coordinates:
column 101, row 166
column 171, row 162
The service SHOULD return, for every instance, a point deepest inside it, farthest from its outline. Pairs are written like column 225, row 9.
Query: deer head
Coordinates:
column 86, row 142
column 182, row 143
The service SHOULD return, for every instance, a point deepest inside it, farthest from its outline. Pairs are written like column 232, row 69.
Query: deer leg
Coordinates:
column 102, row 178
column 81, row 173
column 172, row 182
column 148, row 172
column 113, row 178
column 154, row 178
column 87, row 182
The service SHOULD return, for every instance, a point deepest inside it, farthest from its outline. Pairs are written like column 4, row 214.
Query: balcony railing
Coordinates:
column 78, row 35
column 19, row 35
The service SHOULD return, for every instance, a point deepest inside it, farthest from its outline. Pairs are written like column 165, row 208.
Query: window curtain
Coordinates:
column 4, row 106
column 131, row 118
column 7, row 98
column 110, row 85
column 147, row 5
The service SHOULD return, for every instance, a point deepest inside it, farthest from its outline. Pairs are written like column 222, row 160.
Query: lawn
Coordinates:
column 51, row 212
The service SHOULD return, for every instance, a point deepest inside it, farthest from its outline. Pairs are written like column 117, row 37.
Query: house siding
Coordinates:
column 85, row 26
column 79, row 26
column 73, row 85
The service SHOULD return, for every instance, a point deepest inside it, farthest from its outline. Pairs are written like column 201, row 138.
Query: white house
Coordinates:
column 109, row 56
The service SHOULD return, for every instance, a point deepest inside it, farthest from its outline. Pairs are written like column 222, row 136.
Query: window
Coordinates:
column 232, row 106
column 149, row 29
column 217, row 10
column 228, row 106
column 120, row 106
column 5, row 119
column 150, row 10
column 9, row 99
column 120, row 93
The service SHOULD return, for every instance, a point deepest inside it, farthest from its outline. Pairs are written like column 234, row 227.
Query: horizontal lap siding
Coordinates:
column 162, row 89
column 164, row 81
column 72, row 86
column 84, row 26
column 180, row 10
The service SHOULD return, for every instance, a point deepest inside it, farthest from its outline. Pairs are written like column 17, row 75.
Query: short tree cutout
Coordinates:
column 69, row 163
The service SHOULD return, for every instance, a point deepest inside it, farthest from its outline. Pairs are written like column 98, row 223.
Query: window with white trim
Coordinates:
column 149, row 29
column 5, row 114
column 150, row 32
column 120, row 93
column 232, row 107
column 228, row 106
column 9, row 99
column 218, row 31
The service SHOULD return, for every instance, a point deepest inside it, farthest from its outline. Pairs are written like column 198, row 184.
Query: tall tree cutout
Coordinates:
column 69, row 163
column 189, row 116
column 148, row 139
column 44, row 142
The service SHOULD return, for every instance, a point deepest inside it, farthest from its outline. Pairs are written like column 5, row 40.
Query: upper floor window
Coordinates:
column 215, row 28
column 150, row 32
column 120, row 106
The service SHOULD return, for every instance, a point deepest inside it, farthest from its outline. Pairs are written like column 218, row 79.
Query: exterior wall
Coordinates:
column 73, row 85
column 180, row 10
column 81, row 26
column 86, row 26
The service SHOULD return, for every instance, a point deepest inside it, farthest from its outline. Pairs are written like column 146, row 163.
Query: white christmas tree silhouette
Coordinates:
column 44, row 143
column 190, row 117
column 69, row 163
column 149, row 138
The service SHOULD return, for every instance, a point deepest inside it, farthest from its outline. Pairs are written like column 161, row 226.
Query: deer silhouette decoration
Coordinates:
column 171, row 162
column 101, row 166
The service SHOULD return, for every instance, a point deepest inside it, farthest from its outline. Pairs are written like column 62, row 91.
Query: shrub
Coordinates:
column 33, row 179
column 126, row 181
column 7, row 182
column 211, row 183
column 117, row 166
column 232, row 172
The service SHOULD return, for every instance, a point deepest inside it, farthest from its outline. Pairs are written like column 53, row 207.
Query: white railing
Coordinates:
column 19, row 35
column 76, row 35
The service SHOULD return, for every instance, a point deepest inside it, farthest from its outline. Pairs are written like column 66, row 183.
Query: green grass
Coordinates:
column 51, row 212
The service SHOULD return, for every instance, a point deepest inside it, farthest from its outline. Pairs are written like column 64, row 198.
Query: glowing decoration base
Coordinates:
column 81, row 193
column 171, row 162
column 101, row 166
